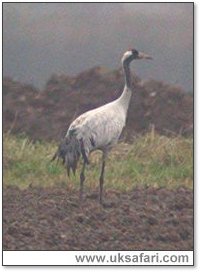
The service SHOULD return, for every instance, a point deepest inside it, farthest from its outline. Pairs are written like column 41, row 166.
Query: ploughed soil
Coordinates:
column 53, row 219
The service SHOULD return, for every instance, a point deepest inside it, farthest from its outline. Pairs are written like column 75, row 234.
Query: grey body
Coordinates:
column 99, row 128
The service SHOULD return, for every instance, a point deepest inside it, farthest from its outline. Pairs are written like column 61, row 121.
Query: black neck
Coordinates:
column 127, row 74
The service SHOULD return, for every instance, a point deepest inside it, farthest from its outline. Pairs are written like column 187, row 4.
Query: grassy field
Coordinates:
column 152, row 160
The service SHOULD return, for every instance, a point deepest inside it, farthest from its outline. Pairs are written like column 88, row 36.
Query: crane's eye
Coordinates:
column 134, row 52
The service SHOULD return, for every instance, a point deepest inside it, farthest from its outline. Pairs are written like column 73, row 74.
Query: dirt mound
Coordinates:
column 47, row 114
column 143, row 219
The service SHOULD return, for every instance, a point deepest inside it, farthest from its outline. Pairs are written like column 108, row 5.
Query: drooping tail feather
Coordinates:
column 69, row 151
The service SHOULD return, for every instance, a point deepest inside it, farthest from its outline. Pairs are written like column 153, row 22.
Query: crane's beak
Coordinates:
column 142, row 55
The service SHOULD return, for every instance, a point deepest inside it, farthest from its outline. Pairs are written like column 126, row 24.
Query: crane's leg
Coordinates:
column 82, row 178
column 101, row 179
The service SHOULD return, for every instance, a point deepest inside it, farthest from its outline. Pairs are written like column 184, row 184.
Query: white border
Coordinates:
column 197, row 136
column 119, row 258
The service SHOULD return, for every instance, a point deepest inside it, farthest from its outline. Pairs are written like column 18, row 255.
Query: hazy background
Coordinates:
column 41, row 39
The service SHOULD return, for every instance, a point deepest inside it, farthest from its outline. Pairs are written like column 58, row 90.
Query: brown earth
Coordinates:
column 52, row 219
column 47, row 114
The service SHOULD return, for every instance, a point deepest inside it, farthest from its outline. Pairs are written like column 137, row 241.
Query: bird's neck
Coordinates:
column 127, row 74
column 125, row 97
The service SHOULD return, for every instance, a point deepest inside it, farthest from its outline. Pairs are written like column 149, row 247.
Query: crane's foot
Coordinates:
column 100, row 199
column 108, row 205
column 81, row 196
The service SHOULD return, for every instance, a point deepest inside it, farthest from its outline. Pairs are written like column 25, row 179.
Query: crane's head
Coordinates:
column 134, row 54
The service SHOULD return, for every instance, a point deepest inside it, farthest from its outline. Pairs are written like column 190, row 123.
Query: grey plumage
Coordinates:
column 99, row 128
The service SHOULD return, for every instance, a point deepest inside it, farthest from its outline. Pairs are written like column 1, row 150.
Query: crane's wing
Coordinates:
column 98, row 128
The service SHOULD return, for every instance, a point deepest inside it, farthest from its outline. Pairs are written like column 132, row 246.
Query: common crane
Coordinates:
column 99, row 128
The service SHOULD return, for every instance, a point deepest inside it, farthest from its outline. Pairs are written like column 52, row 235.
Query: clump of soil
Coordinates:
column 53, row 219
